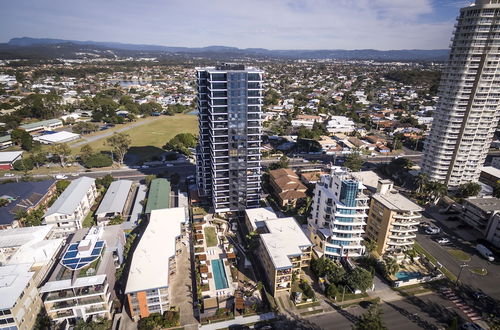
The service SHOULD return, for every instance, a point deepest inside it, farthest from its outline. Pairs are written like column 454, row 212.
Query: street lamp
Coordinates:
column 462, row 266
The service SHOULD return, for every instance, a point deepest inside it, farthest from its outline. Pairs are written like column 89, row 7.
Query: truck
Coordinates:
column 485, row 252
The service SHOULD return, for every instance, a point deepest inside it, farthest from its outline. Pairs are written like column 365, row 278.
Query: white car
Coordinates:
column 9, row 174
column 432, row 230
column 443, row 240
column 61, row 177
column 75, row 174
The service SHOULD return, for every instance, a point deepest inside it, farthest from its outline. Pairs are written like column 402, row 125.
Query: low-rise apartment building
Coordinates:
column 19, row 299
column 284, row 249
column 72, row 206
column 392, row 220
column 81, row 285
column 114, row 201
column 479, row 212
column 339, row 211
column 153, row 263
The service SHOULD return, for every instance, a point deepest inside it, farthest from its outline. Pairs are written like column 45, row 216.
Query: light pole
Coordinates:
column 462, row 266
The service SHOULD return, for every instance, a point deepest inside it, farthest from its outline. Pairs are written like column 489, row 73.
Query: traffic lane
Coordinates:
column 427, row 312
column 487, row 283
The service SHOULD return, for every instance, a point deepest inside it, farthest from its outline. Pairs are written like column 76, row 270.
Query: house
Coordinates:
column 113, row 203
column 72, row 206
column 59, row 137
column 148, row 286
column 310, row 177
column 44, row 125
column 340, row 124
column 286, row 186
column 23, row 196
column 7, row 158
column 85, row 274
column 306, row 121
column 5, row 141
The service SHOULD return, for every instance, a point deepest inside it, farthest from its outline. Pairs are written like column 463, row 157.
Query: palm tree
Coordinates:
column 422, row 181
column 391, row 265
column 436, row 190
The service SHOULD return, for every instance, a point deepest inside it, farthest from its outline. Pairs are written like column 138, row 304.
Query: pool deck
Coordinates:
column 214, row 253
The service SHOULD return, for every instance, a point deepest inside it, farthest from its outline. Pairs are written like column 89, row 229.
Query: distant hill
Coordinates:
column 46, row 48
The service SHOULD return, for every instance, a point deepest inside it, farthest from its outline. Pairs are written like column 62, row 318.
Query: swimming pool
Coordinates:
column 220, row 277
column 405, row 276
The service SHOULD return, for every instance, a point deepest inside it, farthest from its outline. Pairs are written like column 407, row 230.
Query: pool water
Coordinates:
column 405, row 276
column 220, row 277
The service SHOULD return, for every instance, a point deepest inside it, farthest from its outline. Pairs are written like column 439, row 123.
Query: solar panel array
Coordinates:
column 71, row 260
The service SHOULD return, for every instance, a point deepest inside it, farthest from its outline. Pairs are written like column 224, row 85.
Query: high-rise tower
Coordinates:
column 228, row 153
column 469, row 93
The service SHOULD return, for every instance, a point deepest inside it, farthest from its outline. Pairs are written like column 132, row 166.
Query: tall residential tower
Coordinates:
column 467, row 112
column 228, row 153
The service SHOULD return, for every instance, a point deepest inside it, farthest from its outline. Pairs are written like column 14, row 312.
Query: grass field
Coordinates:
column 459, row 254
column 155, row 133
column 210, row 236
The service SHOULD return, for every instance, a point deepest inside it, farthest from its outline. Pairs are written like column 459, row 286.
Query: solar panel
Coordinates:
column 72, row 259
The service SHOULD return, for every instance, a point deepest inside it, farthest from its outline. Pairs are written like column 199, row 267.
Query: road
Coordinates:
column 424, row 312
column 489, row 283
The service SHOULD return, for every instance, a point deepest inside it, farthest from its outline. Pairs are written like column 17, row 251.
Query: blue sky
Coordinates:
column 273, row 24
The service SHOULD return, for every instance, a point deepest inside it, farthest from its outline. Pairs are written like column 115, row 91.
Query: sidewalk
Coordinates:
column 240, row 320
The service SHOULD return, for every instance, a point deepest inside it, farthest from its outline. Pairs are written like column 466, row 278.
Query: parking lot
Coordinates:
column 460, row 253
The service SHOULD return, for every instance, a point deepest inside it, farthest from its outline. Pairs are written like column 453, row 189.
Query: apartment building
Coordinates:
column 493, row 230
column 228, row 153
column 284, row 249
column 19, row 299
column 153, row 263
column 81, row 285
column 479, row 211
column 467, row 111
column 72, row 206
column 339, row 211
column 392, row 219
column 114, row 201
column 286, row 186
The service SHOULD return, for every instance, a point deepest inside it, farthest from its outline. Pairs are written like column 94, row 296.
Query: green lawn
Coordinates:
column 155, row 133
column 210, row 236
column 459, row 254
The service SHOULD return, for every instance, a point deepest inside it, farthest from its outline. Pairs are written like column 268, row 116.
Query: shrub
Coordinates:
column 97, row 160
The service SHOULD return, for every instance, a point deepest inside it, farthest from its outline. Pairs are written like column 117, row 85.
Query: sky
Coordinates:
column 272, row 24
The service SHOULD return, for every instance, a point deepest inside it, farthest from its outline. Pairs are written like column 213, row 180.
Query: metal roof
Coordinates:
column 41, row 124
column 71, row 197
column 159, row 195
column 9, row 156
column 25, row 194
column 115, row 198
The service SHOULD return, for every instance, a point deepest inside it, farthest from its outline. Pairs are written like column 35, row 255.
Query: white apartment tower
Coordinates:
column 467, row 112
column 338, row 217
column 228, row 153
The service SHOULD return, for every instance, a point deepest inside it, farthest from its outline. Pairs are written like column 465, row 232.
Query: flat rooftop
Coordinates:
column 257, row 216
column 284, row 240
column 150, row 263
column 491, row 171
column 368, row 178
column 397, row 202
column 13, row 280
column 487, row 204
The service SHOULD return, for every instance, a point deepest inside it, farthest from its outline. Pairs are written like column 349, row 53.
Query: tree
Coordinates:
column 370, row 245
column 62, row 151
column 496, row 190
column 119, row 142
column 85, row 152
column 61, row 185
column 101, row 324
column 283, row 163
column 97, row 160
column 148, row 179
column 360, row 279
column 105, row 181
column 39, row 158
column 469, row 189
column 354, row 161
column 116, row 220
column 391, row 265
column 83, row 127
column 24, row 164
column 371, row 320
column 181, row 143
column 22, row 138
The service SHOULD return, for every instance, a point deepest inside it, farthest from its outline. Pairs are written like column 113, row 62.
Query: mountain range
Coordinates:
column 31, row 48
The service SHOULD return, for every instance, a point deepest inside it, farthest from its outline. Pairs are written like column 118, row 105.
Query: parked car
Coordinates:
column 60, row 177
column 170, row 165
column 485, row 252
column 478, row 295
column 432, row 230
column 471, row 326
column 443, row 240
column 75, row 174
column 9, row 174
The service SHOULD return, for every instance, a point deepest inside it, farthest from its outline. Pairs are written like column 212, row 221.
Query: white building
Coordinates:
column 339, row 211
column 306, row 121
column 340, row 124
column 114, row 201
column 72, row 206
column 153, row 262
column 59, row 137
column 467, row 112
